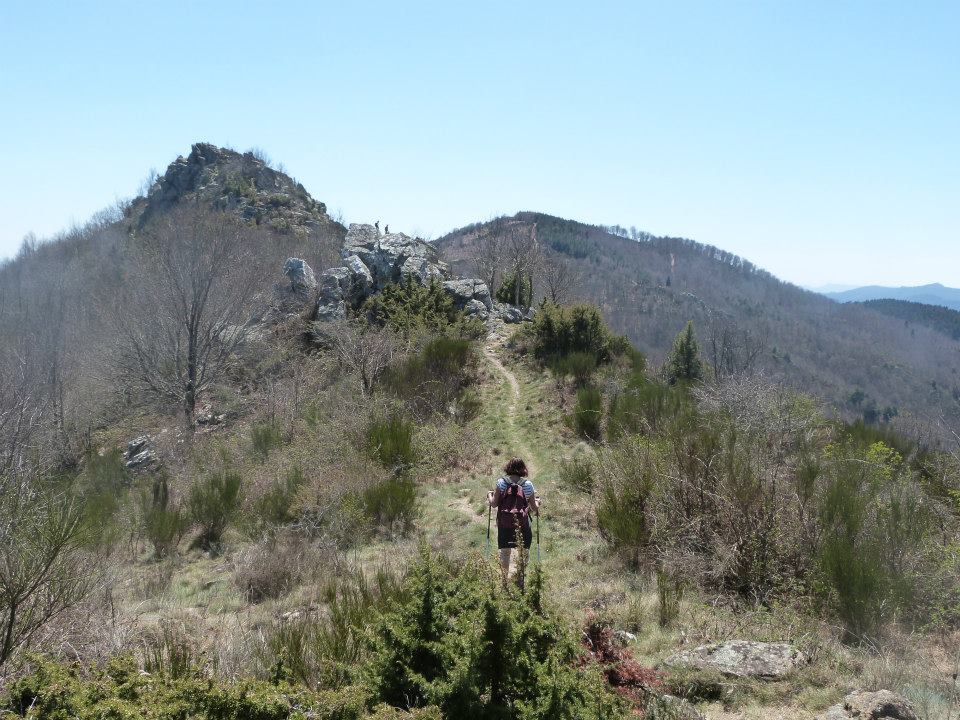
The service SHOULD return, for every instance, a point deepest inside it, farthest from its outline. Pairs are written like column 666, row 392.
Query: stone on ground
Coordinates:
column 878, row 705
column 742, row 658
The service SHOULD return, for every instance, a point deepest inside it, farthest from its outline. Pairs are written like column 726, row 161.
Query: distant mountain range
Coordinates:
column 935, row 294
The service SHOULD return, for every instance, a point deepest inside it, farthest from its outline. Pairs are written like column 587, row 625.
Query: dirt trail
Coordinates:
column 518, row 444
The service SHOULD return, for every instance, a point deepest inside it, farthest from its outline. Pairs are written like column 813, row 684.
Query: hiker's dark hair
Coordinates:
column 516, row 466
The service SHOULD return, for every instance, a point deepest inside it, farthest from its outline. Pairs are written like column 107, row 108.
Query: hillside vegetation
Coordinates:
column 942, row 319
column 649, row 287
column 220, row 502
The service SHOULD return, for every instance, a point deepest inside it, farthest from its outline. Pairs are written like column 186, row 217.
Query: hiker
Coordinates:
column 514, row 498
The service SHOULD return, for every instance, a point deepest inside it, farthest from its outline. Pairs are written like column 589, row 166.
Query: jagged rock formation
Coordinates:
column 371, row 261
column 240, row 183
column 742, row 658
column 864, row 705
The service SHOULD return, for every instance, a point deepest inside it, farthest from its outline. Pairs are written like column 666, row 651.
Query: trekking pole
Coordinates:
column 489, row 513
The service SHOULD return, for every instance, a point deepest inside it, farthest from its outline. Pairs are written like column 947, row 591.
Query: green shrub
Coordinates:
column 392, row 503
column 874, row 527
column 275, row 507
column 588, row 413
column 669, row 595
column 516, row 289
column 119, row 691
column 170, row 649
column 561, row 331
column 684, row 364
column 434, row 378
column 103, row 488
column 448, row 643
column 325, row 649
column 265, row 437
column 579, row 365
column 577, row 473
column 213, row 503
column 644, row 406
column 416, row 310
column 163, row 523
column 389, row 440
column 630, row 475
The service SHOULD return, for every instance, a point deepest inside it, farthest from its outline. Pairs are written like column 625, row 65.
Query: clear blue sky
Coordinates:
column 819, row 139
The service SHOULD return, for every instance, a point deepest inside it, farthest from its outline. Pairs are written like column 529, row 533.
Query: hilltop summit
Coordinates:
column 245, row 184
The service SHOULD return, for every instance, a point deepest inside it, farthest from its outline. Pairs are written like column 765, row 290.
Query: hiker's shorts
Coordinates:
column 507, row 537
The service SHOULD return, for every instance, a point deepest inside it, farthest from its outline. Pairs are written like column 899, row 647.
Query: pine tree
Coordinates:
column 684, row 364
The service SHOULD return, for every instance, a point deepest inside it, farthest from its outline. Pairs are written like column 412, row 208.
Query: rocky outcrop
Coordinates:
column 140, row 454
column 742, row 658
column 243, row 184
column 371, row 261
column 879, row 705
column 467, row 291
column 391, row 257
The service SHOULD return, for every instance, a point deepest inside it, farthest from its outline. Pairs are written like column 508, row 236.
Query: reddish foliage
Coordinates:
column 623, row 673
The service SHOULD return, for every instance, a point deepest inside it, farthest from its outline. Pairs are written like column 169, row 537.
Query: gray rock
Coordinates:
column 293, row 294
column 389, row 257
column 742, row 658
column 464, row 290
column 623, row 637
column 475, row 308
column 361, row 281
column 332, row 289
column 140, row 454
column 507, row 313
column 878, row 705
column 301, row 277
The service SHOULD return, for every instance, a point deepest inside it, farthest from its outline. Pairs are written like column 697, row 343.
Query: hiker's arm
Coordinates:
column 536, row 503
column 493, row 497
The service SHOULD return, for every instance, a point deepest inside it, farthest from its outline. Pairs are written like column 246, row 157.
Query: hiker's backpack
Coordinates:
column 513, row 509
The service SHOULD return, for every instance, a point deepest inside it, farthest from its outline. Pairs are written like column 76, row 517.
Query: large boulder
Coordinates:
column 361, row 280
column 507, row 313
column 389, row 257
column 292, row 295
column 465, row 290
column 742, row 658
column 332, row 292
column 300, row 275
column 879, row 705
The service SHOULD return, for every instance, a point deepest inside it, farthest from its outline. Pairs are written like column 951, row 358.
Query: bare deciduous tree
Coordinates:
column 488, row 261
column 559, row 278
column 521, row 254
column 732, row 350
column 362, row 350
column 184, row 313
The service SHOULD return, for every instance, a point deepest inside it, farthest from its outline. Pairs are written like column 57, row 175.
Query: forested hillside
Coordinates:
column 649, row 287
column 942, row 319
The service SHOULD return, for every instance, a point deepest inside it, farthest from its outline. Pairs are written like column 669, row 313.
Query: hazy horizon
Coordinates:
column 817, row 141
